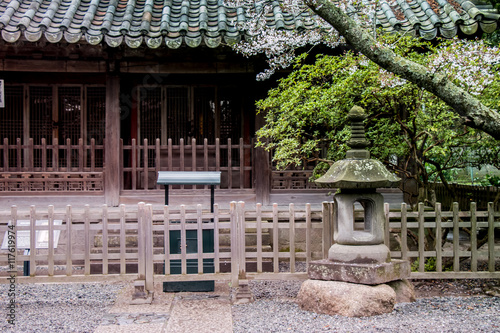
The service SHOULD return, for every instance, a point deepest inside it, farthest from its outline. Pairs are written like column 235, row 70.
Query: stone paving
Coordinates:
column 171, row 312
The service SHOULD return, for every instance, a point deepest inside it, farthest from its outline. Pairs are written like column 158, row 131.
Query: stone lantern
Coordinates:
column 359, row 255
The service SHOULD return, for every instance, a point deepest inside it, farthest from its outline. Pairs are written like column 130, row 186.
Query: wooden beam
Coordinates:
column 112, row 141
column 61, row 66
column 185, row 67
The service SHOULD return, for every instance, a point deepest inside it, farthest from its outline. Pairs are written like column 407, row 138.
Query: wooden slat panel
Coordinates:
column 258, row 211
column 157, row 160
column 327, row 217
column 456, row 239
column 123, row 239
column 19, row 152
column 193, row 155
column 87, row 240
column 387, row 232
column 145, row 161
column 217, row 156
column 404, row 233
column 55, row 154
column 141, row 251
column 199, row 239
column 166, row 238
column 308, row 234
column 148, row 244
column 81, row 155
column 183, row 240
column 291, row 231
column 216, row 238
column 234, row 245
column 275, row 239
column 50, row 259
column 134, row 164
column 105, row 239
column 439, row 235
column 421, row 236
column 491, row 238
column 92, row 154
column 473, row 237
column 241, row 240
column 68, row 154
column 32, row 240
column 69, row 240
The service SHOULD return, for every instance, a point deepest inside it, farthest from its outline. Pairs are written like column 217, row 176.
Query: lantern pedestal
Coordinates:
column 370, row 274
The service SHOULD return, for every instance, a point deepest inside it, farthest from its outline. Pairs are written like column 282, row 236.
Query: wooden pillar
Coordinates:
column 112, row 141
column 262, row 169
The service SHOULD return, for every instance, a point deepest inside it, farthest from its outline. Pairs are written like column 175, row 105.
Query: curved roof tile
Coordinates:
column 172, row 23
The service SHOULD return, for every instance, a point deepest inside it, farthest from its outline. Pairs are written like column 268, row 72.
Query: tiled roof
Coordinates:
column 432, row 18
column 157, row 23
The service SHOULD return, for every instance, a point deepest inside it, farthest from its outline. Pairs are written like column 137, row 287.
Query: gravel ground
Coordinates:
column 74, row 307
column 275, row 310
column 81, row 307
column 437, row 314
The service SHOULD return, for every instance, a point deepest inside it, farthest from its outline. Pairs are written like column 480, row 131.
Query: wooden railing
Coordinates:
column 463, row 241
column 54, row 157
column 292, row 180
column 248, row 242
column 141, row 162
column 55, row 167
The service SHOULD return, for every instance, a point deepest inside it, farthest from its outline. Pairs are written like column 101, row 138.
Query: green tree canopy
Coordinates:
column 412, row 131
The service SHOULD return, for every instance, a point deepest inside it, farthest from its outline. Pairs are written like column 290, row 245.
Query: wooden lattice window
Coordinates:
column 150, row 114
column 69, row 114
column 178, row 117
column 204, row 114
column 230, row 114
column 53, row 111
column 200, row 112
column 96, row 120
column 11, row 117
column 40, row 110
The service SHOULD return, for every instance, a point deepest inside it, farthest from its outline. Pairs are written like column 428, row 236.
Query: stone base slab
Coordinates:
column 370, row 274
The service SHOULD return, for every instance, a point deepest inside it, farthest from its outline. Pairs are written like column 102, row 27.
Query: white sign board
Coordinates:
column 41, row 239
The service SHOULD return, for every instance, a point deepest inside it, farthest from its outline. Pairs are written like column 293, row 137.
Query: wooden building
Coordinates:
column 99, row 95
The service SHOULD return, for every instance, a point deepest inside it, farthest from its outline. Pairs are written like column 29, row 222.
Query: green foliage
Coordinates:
column 411, row 130
column 493, row 180
column 429, row 266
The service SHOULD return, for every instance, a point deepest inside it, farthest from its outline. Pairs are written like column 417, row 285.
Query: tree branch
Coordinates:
column 473, row 112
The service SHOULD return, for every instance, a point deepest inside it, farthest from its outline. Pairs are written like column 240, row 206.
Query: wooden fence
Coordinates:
column 141, row 163
column 465, row 194
column 52, row 167
column 170, row 244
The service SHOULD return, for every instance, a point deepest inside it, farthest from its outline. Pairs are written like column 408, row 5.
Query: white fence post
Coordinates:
column 234, row 245
column 242, row 271
column 328, row 226
column 148, row 243
column 141, row 264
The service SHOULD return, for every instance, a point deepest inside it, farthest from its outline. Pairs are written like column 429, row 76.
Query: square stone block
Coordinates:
column 371, row 274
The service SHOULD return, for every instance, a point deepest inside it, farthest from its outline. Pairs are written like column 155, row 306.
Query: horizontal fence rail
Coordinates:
column 243, row 242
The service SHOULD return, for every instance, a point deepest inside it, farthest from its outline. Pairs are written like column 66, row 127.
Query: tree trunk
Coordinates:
column 473, row 112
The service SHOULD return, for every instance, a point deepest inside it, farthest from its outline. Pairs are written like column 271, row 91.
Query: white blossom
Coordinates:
column 467, row 63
